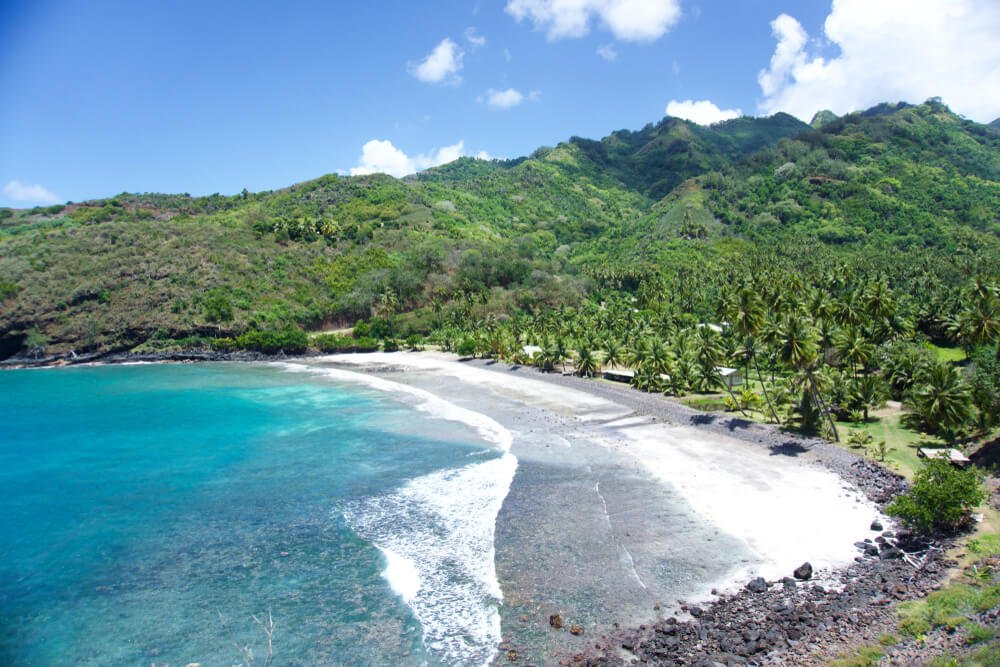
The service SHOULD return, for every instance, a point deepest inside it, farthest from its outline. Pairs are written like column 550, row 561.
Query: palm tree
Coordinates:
column 978, row 323
column 798, row 348
column 941, row 400
column 560, row 351
column 612, row 352
column 747, row 318
column 854, row 347
column 868, row 391
column 386, row 305
column 586, row 365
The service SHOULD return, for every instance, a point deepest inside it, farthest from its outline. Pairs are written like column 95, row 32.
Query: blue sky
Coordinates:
column 101, row 97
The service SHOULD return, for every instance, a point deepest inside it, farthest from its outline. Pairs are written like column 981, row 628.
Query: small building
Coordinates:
column 619, row 374
column 953, row 456
column 731, row 377
column 531, row 351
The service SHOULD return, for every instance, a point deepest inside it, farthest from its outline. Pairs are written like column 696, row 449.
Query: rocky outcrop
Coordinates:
column 785, row 625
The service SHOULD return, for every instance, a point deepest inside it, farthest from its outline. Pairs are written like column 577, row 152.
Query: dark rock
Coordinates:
column 556, row 621
column 576, row 629
column 876, row 525
column 788, row 583
column 757, row 585
column 804, row 571
column 871, row 550
column 892, row 553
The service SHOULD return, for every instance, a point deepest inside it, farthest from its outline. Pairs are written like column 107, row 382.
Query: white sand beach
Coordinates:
column 787, row 509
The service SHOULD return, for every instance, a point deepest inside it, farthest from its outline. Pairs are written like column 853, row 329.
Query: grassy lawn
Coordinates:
column 952, row 355
column 903, row 443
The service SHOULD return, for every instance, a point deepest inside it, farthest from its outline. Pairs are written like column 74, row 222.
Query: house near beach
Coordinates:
column 953, row 456
column 619, row 374
column 731, row 377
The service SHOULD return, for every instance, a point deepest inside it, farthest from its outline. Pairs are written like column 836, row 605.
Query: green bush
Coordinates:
column 217, row 305
column 8, row 289
column 332, row 343
column 466, row 347
column 289, row 341
column 224, row 344
column 940, row 498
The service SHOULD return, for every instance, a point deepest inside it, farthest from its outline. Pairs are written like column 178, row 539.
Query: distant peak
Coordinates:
column 822, row 118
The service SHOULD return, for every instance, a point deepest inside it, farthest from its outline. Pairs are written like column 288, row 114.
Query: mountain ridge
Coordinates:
column 526, row 233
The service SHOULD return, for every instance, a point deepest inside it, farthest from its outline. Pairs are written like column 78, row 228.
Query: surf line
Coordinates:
column 437, row 532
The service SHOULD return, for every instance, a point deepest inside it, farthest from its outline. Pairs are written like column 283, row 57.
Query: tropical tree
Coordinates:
column 868, row 392
column 941, row 400
column 940, row 498
column 747, row 316
column 798, row 349
column 612, row 352
column 586, row 364
column 979, row 322
column 854, row 347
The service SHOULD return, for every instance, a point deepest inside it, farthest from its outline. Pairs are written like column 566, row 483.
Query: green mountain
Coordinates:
column 518, row 235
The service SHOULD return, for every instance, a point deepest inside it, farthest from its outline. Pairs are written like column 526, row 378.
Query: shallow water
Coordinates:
column 150, row 511
column 153, row 511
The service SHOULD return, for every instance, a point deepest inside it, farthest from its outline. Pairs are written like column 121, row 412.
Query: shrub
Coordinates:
column 217, row 306
column 940, row 498
column 289, row 341
column 8, row 289
column 224, row 344
column 466, row 347
column 333, row 343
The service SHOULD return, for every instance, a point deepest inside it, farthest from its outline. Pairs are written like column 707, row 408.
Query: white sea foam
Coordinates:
column 437, row 533
column 420, row 399
column 402, row 575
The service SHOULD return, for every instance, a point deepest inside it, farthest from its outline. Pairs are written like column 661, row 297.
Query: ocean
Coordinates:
column 170, row 514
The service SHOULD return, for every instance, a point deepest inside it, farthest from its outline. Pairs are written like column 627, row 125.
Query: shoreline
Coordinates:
column 786, row 623
column 705, row 457
column 781, row 621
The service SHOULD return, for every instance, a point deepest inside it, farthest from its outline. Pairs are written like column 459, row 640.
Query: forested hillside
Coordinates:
column 908, row 193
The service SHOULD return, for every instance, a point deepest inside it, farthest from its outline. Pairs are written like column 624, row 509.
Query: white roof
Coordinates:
column 952, row 455
column 531, row 350
column 726, row 372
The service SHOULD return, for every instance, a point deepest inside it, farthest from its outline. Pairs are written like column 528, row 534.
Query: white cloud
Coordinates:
column 702, row 112
column 502, row 99
column 507, row 55
column 890, row 50
column 472, row 37
column 608, row 52
column 31, row 194
column 379, row 156
column 441, row 65
column 627, row 20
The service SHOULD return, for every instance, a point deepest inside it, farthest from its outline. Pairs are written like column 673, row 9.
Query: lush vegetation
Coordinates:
column 828, row 264
column 840, row 268
column 940, row 498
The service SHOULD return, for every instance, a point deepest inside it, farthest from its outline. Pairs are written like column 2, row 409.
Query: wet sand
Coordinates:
column 624, row 502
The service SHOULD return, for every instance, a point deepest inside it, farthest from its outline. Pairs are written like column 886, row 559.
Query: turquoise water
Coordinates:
column 148, row 512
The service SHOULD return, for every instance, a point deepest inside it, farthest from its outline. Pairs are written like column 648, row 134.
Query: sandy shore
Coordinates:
column 784, row 505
